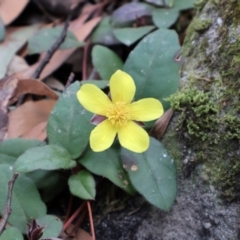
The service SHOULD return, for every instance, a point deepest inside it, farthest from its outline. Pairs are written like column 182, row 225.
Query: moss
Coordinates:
column 201, row 25
column 208, row 106
column 199, row 5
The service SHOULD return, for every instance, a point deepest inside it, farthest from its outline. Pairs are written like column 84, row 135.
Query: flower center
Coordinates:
column 118, row 113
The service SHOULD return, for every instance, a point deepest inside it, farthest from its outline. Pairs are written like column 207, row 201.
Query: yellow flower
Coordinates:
column 119, row 113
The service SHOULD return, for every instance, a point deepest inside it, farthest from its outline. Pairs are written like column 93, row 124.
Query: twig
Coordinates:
column 85, row 59
column 69, row 221
column 49, row 53
column 70, row 79
column 8, row 209
column 53, row 48
column 91, row 220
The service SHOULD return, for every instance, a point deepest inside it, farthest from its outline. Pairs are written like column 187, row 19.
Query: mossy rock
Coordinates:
column 207, row 107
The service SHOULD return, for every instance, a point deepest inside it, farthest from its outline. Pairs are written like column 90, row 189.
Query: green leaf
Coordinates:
column 184, row 4
column 52, row 226
column 128, row 36
column 165, row 17
column 2, row 30
column 48, row 157
column 103, row 34
column 109, row 65
column 15, row 41
column 99, row 83
column 51, row 183
column 129, row 12
column 46, row 37
column 11, row 233
column 153, row 174
column 69, row 123
column 82, row 185
column 107, row 164
column 11, row 149
column 26, row 201
column 152, row 66
column 156, row 2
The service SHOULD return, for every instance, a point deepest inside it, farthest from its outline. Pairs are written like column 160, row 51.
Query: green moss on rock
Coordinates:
column 207, row 109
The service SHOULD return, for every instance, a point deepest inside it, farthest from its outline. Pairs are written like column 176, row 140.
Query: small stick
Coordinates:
column 53, row 48
column 8, row 210
column 85, row 59
column 49, row 54
column 91, row 220
column 70, row 79
column 69, row 221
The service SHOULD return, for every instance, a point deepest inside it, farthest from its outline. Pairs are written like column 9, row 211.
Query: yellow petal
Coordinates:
column 146, row 109
column 122, row 87
column 133, row 137
column 93, row 99
column 102, row 136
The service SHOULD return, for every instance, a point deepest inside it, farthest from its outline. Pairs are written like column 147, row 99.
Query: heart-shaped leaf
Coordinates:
column 165, row 17
column 69, row 123
column 26, row 201
column 128, row 36
column 99, row 83
column 103, row 34
column 82, row 185
column 183, row 4
column 11, row 149
column 107, row 164
column 110, row 64
column 153, row 67
column 46, row 37
column 51, row 183
column 152, row 173
column 129, row 12
column 11, row 233
column 48, row 157
column 52, row 226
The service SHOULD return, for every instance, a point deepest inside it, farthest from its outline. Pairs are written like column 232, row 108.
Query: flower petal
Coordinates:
column 146, row 109
column 133, row 137
column 93, row 99
column 102, row 136
column 122, row 87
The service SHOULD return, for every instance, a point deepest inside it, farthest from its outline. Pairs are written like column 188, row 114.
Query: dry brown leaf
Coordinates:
column 33, row 86
column 80, row 235
column 10, row 9
column 38, row 132
column 80, row 29
column 7, row 89
column 54, row 83
column 24, row 118
column 17, row 64
column 161, row 124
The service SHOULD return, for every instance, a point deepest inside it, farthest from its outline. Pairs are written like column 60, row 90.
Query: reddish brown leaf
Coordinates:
column 10, row 9
column 33, row 86
column 161, row 124
column 38, row 132
column 24, row 118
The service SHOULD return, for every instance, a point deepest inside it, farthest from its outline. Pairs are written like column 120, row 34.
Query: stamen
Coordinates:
column 118, row 113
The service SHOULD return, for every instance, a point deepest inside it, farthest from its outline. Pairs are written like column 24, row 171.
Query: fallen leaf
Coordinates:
column 33, row 86
column 80, row 235
column 10, row 9
column 54, row 83
column 24, row 118
column 7, row 89
column 17, row 64
column 161, row 124
column 38, row 132
column 14, row 40
column 81, row 31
